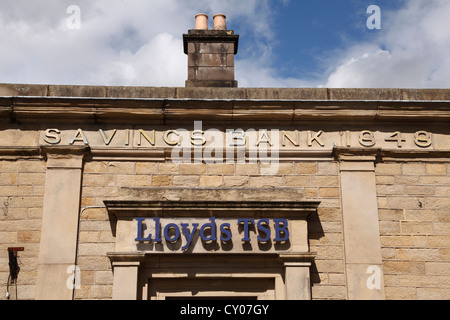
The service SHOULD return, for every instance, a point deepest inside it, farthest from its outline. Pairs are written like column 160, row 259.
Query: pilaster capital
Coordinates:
column 126, row 259
column 303, row 259
column 64, row 157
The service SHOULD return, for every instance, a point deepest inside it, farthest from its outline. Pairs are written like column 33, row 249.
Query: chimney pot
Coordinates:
column 201, row 21
column 220, row 22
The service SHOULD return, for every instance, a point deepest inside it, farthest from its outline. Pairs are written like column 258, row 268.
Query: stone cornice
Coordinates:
column 166, row 111
column 212, row 208
column 163, row 105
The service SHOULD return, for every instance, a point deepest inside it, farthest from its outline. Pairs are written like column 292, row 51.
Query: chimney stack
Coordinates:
column 210, row 53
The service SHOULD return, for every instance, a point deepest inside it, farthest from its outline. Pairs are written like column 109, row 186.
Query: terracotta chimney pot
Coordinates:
column 220, row 22
column 201, row 21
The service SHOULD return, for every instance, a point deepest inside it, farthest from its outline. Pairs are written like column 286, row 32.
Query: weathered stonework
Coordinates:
column 390, row 147
column 211, row 58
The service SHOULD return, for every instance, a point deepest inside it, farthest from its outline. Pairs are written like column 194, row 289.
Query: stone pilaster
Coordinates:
column 60, row 222
column 363, row 262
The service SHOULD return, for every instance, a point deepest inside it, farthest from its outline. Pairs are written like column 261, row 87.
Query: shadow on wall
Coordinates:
column 315, row 232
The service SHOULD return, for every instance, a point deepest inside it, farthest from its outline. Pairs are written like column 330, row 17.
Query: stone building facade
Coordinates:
column 215, row 190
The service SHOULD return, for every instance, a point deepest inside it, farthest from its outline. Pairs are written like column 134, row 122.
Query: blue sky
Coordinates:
column 309, row 33
column 283, row 43
column 311, row 30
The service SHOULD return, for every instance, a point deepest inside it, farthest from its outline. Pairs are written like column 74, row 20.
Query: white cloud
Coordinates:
column 121, row 42
column 259, row 73
column 411, row 51
column 157, row 63
column 139, row 42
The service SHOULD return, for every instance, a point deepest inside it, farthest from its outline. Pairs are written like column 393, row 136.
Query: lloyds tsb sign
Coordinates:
column 184, row 234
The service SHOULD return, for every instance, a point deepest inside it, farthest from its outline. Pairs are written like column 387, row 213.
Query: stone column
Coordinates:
column 297, row 275
column 363, row 263
column 60, row 219
column 126, row 270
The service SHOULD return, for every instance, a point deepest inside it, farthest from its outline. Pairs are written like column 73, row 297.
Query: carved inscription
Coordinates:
column 263, row 138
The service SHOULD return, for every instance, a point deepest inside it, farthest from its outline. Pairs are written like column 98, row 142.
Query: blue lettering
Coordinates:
column 172, row 232
column 246, row 231
column 140, row 228
column 264, row 229
column 281, row 230
column 176, row 236
column 189, row 236
column 157, row 230
column 225, row 232
column 212, row 226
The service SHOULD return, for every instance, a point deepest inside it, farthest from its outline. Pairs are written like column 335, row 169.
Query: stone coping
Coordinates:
column 320, row 94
